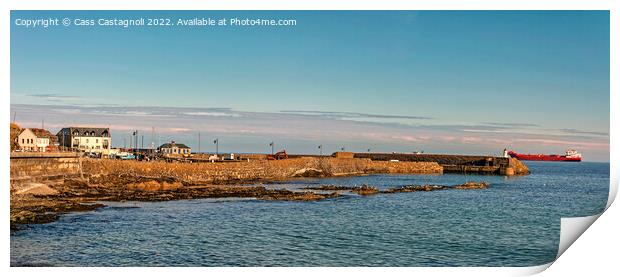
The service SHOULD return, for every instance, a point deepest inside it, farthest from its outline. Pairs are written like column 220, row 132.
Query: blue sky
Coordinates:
column 439, row 81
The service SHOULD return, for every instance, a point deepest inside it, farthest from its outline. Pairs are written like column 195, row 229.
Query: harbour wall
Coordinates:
column 256, row 170
column 40, row 167
column 43, row 166
column 457, row 163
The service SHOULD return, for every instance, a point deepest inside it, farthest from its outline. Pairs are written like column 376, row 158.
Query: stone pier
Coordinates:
column 457, row 163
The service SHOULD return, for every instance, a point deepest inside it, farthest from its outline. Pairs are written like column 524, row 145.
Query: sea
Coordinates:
column 515, row 222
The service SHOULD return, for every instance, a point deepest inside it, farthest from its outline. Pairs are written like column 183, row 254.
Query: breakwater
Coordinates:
column 457, row 163
column 254, row 170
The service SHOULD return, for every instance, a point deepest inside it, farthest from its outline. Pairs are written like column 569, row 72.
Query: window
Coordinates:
column 86, row 140
column 23, row 141
column 96, row 140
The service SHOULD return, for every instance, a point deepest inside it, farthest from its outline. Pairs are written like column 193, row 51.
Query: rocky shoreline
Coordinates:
column 369, row 190
column 84, row 183
column 44, row 203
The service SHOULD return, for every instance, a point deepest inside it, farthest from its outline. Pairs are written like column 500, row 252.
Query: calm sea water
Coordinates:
column 516, row 222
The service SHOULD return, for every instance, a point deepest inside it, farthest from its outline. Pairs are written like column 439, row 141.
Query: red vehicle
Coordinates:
column 571, row 156
column 278, row 156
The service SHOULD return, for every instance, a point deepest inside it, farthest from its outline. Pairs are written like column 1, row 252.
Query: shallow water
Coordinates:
column 516, row 222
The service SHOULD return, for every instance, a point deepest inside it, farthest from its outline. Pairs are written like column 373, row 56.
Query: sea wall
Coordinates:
column 457, row 163
column 254, row 170
column 42, row 166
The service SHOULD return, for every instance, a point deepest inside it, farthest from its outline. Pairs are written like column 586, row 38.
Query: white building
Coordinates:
column 173, row 149
column 34, row 139
column 85, row 139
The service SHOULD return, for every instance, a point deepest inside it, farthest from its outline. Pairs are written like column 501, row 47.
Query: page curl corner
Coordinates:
column 571, row 228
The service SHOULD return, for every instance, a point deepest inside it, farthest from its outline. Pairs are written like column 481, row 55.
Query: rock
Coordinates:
column 37, row 189
column 330, row 187
column 365, row 190
column 473, row 185
column 362, row 190
column 153, row 185
column 308, row 172
column 298, row 196
column 28, row 217
column 519, row 167
column 416, row 188
column 467, row 185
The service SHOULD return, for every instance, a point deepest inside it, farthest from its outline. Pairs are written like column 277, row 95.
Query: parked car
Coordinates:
column 93, row 155
column 128, row 157
column 124, row 156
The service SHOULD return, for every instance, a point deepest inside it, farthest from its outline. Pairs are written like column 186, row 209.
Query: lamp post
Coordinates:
column 271, row 144
column 321, row 149
column 135, row 151
column 342, row 149
column 217, row 145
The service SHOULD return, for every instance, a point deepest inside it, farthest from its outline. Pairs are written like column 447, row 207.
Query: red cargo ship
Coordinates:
column 571, row 156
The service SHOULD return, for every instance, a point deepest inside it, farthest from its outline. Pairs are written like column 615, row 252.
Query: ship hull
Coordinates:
column 546, row 158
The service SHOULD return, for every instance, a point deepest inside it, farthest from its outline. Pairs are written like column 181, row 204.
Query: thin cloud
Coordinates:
column 565, row 143
column 53, row 96
column 469, row 140
column 516, row 125
column 580, row 132
column 483, row 131
column 225, row 114
column 464, row 128
column 353, row 115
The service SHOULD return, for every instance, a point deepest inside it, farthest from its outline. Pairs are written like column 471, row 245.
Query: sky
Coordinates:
column 466, row 82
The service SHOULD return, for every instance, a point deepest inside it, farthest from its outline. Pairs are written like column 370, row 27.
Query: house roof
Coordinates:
column 174, row 144
column 87, row 131
column 40, row 133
